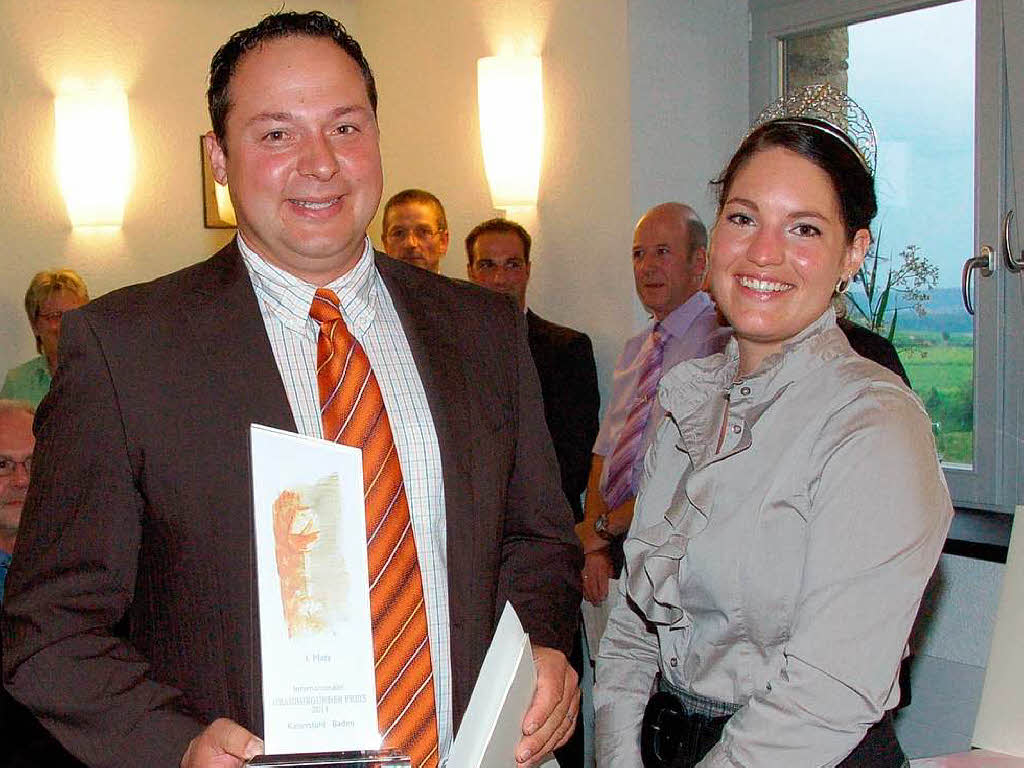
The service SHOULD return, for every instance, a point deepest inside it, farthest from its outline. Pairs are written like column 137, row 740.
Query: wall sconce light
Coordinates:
column 510, row 94
column 93, row 149
column 225, row 209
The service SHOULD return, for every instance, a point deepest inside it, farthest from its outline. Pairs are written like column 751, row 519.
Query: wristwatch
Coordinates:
column 601, row 527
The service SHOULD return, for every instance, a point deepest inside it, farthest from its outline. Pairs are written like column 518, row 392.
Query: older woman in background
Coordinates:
column 793, row 507
column 49, row 296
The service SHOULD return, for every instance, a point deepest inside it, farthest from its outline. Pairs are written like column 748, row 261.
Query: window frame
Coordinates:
column 993, row 483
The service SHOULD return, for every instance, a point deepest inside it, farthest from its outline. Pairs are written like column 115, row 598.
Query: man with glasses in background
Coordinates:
column 414, row 229
column 16, row 446
column 24, row 742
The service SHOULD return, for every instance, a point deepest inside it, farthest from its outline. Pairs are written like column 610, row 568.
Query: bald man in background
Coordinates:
column 669, row 262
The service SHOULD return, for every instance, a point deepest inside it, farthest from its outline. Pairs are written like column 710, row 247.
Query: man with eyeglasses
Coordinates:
column 24, row 741
column 414, row 229
column 498, row 258
column 16, row 446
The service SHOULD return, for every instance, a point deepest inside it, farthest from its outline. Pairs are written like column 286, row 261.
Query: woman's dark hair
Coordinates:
column 275, row 26
column 814, row 141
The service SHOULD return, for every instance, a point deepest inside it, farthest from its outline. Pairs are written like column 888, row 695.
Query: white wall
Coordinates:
column 688, row 101
column 643, row 103
column 424, row 56
column 688, row 86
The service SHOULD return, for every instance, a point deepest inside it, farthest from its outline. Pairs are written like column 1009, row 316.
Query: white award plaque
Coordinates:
column 319, row 690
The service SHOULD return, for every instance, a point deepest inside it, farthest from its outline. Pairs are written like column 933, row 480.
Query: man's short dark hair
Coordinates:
column 414, row 196
column 275, row 26
column 500, row 226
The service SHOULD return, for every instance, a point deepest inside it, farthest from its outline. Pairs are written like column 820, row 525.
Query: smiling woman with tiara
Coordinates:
column 792, row 507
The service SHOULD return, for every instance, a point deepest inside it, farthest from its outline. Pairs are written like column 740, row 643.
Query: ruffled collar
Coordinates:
column 685, row 390
column 695, row 394
column 809, row 349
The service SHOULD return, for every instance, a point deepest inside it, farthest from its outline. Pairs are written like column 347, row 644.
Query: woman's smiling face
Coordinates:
column 778, row 249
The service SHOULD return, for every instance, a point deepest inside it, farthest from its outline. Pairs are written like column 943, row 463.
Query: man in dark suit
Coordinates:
column 131, row 628
column 568, row 383
column 498, row 258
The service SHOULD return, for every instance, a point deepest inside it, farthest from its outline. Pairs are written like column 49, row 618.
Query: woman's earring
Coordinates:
column 842, row 285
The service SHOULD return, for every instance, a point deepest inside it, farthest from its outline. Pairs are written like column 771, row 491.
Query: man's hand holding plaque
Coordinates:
column 223, row 744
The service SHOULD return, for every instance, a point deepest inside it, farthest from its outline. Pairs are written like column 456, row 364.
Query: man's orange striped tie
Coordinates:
column 353, row 414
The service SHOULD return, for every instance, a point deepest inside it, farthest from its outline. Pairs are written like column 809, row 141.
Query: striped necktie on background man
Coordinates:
column 620, row 481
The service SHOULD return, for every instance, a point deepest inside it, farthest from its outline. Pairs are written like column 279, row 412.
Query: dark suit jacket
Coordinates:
column 568, row 383
column 139, row 511
column 26, row 744
column 870, row 345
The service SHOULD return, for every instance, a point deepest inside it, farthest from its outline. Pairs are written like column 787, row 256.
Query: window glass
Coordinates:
column 914, row 74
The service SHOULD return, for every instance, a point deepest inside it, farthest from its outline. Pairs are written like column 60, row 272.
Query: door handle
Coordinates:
column 1015, row 264
column 982, row 262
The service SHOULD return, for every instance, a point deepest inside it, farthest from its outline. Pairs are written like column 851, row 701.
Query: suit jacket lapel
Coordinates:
column 234, row 352
column 536, row 338
column 531, row 322
column 230, row 335
column 428, row 319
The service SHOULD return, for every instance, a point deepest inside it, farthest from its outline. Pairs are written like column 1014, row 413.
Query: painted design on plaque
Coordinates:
column 310, row 565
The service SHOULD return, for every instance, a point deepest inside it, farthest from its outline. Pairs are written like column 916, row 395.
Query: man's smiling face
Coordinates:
column 302, row 157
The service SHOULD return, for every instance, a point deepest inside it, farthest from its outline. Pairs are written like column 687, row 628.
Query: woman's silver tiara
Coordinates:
column 827, row 109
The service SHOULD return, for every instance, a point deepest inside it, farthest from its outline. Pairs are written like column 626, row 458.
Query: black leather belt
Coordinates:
column 669, row 733
column 674, row 736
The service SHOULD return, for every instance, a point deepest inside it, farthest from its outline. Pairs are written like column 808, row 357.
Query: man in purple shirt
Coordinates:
column 669, row 260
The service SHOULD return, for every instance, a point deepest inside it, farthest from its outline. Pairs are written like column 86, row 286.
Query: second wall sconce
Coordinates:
column 511, row 99
column 218, row 211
